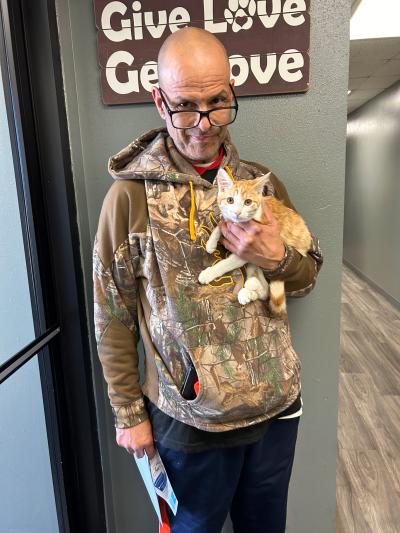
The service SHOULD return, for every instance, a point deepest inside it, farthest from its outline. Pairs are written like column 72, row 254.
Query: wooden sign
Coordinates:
column 267, row 43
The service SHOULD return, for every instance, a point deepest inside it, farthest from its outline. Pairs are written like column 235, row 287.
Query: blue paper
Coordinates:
column 157, row 483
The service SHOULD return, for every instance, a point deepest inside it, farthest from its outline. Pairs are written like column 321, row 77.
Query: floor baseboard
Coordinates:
column 390, row 298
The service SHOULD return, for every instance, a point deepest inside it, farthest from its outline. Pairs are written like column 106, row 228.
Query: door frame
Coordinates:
column 33, row 85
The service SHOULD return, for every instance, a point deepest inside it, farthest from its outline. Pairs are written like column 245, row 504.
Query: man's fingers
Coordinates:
column 237, row 238
column 138, row 453
column 241, row 230
column 227, row 245
column 236, row 229
column 136, row 439
column 151, row 451
column 251, row 227
column 231, row 233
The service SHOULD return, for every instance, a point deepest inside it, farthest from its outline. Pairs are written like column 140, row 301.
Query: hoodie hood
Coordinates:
column 149, row 251
column 153, row 156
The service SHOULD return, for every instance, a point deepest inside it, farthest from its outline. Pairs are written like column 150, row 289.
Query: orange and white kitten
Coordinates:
column 241, row 201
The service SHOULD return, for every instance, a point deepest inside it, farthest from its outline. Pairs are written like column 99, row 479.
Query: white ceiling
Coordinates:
column 374, row 66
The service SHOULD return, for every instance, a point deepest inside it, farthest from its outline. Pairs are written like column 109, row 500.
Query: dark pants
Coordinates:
column 250, row 481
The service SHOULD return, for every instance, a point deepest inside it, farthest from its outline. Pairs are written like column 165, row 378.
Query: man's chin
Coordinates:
column 203, row 157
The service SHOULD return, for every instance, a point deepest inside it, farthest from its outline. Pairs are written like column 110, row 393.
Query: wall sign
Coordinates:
column 267, row 43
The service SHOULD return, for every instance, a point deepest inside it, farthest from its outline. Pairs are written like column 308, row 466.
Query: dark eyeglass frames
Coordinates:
column 218, row 116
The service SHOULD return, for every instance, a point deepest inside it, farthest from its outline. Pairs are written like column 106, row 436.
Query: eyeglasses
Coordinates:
column 218, row 116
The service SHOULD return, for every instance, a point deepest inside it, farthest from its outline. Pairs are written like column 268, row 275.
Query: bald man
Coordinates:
column 220, row 396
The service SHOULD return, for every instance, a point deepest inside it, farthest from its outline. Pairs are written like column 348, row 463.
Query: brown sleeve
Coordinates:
column 115, row 262
column 298, row 272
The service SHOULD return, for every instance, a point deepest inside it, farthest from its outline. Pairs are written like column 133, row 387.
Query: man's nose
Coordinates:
column 204, row 124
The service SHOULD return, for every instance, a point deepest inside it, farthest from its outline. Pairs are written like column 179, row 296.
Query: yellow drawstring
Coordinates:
column 229, row 171
column 192, row 228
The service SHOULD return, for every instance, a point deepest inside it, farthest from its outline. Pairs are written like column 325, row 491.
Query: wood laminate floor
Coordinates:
column 368, row 476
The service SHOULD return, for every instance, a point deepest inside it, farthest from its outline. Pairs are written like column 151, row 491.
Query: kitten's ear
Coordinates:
column 259, row 183
column 224, row 180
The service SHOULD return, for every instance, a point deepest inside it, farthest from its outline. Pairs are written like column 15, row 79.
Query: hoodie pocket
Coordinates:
column 248, row 379
column 190, row 383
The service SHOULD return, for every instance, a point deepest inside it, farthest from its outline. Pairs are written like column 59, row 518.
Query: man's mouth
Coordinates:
column 202, row 138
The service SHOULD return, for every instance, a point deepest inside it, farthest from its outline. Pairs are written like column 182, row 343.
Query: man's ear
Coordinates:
column 224, row 180
column 155, row 93
column 259, row 183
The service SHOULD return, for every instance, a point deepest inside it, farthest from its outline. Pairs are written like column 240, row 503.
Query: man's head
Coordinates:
column 193, row 73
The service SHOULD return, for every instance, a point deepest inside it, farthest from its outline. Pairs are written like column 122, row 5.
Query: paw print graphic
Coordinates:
column 237, row 15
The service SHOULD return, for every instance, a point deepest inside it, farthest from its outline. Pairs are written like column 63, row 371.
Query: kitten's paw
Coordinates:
column 211, row 246
column 263, row 293
column 206, row 276
column 246, row 296
column 254, row 284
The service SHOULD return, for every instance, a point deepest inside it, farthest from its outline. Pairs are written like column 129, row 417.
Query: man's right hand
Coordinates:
column 136, row 439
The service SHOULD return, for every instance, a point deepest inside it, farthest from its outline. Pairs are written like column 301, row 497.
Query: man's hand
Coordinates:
column 137, row 439
column 259, row 244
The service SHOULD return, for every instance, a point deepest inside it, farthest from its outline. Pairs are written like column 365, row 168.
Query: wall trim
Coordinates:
column 382, row 292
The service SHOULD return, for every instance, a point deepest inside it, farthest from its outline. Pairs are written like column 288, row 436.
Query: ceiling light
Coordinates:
column 348, row 92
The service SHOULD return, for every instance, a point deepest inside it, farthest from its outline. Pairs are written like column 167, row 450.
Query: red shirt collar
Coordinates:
column 215, row 164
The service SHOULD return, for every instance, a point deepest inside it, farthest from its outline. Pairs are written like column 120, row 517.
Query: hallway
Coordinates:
column 368, row 475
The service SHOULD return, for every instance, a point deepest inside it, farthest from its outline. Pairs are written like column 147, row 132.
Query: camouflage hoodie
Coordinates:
column 149, row 250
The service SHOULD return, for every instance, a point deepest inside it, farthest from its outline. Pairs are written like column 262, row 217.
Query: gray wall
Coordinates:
column 302, row 138
column 372, row 206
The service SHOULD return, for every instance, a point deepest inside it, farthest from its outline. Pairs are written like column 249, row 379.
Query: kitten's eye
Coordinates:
column 229, row 200
column 248, row 201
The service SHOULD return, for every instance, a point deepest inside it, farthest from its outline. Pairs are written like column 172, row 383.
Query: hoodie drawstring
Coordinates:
column 192, row 228
column 229, row 172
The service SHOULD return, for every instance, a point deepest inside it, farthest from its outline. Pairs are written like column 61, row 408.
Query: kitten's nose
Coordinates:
column 237, row 213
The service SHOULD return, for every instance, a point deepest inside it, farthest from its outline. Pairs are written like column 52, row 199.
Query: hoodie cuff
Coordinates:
column 129, row 415
column 286, row 266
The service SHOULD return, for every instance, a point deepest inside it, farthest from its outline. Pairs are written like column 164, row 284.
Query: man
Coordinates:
column 221, row 391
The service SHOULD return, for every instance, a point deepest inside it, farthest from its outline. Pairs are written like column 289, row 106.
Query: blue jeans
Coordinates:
column 251, row 482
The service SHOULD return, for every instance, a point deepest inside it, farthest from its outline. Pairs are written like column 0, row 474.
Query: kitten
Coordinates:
column 240, row 201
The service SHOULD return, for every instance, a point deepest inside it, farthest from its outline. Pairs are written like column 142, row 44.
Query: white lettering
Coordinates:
column 113, row 35
column 290, row 63
column 209, row 24
column 177, row 18
column 289, row 67
column 132, row 85
column 156, row 30
column 269, row 21
column 291, row 12
column 137, row 21
column 240, row 62
column 149, row 75
column 263, row 76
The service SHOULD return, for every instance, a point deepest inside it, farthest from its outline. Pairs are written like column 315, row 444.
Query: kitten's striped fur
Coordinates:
column 241, row 201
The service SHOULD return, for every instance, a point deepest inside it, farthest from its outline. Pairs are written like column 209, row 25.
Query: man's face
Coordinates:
column 188, row 88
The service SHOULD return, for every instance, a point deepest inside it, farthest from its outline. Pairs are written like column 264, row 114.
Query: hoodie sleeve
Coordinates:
column 115, row 264
column 297, row 271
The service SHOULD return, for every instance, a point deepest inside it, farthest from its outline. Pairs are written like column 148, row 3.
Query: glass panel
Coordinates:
column 27, row 503
column 16, row 325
